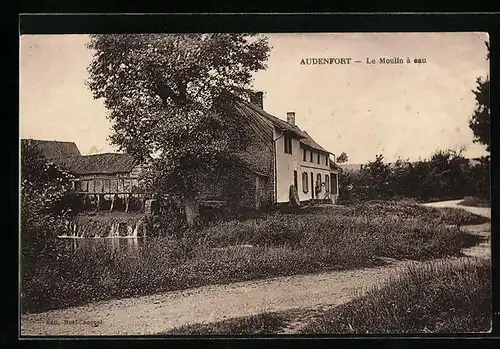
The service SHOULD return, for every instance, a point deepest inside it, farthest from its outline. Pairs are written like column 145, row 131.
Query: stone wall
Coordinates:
column 247, row 187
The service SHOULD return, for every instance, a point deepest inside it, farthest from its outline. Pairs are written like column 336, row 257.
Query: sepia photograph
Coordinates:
column 254, row 184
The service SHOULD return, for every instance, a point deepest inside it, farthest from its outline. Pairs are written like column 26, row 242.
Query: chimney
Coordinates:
column 290, row 117
column 257, row 99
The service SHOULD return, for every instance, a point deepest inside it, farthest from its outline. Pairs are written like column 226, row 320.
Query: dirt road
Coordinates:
column 154, row 314
column 481, row 211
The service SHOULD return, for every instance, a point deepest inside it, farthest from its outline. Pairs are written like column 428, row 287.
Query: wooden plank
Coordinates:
column 91, row 186
column 114, row 186
column 106, row 186
column 120, row 185
column 98, row 186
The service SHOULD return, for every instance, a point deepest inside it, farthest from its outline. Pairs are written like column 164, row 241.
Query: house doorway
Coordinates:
column 334, row 183
column 295, row 180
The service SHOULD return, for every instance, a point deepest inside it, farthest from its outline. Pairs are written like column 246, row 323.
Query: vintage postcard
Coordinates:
column 268, row 184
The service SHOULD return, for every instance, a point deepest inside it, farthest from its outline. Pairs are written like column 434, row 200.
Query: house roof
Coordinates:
column 107, row 163
column 55, row 149
column 259, row 118
column 334, row 166
column 309, row 142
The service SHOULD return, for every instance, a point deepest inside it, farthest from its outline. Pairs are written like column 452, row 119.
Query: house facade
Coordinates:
column 105, row 181
column 107, row 173
column 303, row 163
column 281, row 155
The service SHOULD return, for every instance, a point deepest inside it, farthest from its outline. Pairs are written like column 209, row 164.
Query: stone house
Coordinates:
column 281, row 155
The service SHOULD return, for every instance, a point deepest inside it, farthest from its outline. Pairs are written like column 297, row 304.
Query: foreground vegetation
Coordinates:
column 448, row 297
column 443, row 297
column 314, row 240
column 261, row 324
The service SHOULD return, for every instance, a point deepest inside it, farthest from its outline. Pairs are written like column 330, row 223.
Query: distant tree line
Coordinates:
column 446, row 175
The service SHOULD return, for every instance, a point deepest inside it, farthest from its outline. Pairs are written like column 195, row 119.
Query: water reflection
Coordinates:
column 115, row 244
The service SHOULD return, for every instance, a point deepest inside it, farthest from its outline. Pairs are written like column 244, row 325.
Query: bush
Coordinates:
column 446, row 175
column 44, row 191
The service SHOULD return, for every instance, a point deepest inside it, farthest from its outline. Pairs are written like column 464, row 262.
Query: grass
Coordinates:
column 445, row 297
column 474, row 202
column 261, row 324
column 448, row 297
column 314, row 240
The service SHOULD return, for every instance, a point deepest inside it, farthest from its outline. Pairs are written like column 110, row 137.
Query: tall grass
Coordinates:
column 283, row 244
column 261, row 324
column 446, row 297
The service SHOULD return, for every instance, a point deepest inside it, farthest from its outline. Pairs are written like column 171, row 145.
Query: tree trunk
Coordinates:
column 192, row 210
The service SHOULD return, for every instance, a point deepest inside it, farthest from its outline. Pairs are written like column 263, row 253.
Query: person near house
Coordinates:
column 326, row 195
column 317, row 189
column 294, row 196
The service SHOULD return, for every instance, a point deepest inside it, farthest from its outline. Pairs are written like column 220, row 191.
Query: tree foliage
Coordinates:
column 342, row 158
column 44, row 196
column 171, row 97
column 446, row 174
column 480, row 121
column 375, row 176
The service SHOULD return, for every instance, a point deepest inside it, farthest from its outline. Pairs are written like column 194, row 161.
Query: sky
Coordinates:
column 398, row 110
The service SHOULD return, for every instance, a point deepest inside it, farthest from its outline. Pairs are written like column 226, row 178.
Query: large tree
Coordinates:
column 480, row 121
column 171, row 95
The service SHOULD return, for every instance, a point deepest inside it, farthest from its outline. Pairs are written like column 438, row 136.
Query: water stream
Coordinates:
column 116, row 231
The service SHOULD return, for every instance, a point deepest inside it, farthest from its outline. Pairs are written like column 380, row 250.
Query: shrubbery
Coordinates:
column 45, row 194
column 446, row 175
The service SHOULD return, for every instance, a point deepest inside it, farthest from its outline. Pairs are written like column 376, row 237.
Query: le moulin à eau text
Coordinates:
column 349, row 60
